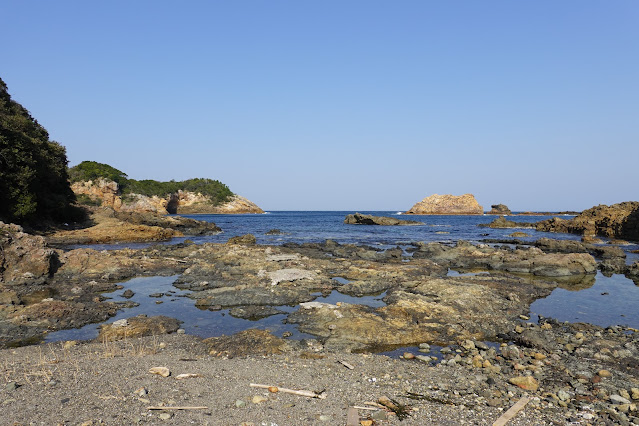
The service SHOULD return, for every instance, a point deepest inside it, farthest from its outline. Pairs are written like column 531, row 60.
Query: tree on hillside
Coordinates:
column 34, row 184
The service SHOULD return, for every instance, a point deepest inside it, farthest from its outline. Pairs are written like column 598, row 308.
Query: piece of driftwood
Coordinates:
column 512, row 411
column 177, row 408
column 309, row 394
column 359, row 407
column 346, row 364
column 352, row 417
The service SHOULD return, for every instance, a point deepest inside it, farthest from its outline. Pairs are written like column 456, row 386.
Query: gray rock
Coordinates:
column 618, row 399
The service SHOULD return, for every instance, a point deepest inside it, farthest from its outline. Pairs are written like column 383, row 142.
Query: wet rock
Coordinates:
column 247, row 342
column 248, row 239
column 254, row 312
column 275, row 232
column 503, row 223
column 128, row 294
column 245, row 295
column 138, row 326
column 366, row 219
column 531, row 261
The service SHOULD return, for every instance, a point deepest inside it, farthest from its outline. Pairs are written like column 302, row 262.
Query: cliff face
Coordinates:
column 185, row 202
column 447, row 205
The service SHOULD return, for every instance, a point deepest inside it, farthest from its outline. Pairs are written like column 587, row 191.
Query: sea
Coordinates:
column 607, row 301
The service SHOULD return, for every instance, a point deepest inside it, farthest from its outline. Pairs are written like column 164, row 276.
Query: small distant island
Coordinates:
column 447, row 205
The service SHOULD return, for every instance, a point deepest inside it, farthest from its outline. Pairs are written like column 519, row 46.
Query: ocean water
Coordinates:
column 609, row 301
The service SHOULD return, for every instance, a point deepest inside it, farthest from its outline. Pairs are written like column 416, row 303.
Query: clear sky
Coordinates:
column 330, row 105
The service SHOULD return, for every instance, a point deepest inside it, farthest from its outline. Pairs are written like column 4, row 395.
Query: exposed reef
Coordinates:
column 367, row 219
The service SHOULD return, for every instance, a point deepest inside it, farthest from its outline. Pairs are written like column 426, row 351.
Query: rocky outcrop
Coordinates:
column 108, row 194
column 447, row 205
column 499, row 209
column 101, row 190
column 367, row 219
column 615, row 221
column 189, row 203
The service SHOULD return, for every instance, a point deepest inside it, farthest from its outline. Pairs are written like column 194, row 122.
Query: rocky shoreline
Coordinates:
column 571, row 372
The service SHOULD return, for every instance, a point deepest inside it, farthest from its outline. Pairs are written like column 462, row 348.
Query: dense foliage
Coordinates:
column 34, row 185
column 91, row 170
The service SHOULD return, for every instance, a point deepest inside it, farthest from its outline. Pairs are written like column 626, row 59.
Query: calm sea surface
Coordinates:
column 610, row 301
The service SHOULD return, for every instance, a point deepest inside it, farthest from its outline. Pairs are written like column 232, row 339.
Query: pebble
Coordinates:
column 162, row 371
column 604, row 373
column 240, row 404
column 165, row 416
column 624, row 393
column 141, row 391
column 525, row 382
column 635, row 393
column 563, row 395
column 379, row 415
column 181, row 331
column 618, row 399
column 325, row 418
column 11, row 386
column 424, row 358
column 257, row 399
column 408, row 355
column 424, row 346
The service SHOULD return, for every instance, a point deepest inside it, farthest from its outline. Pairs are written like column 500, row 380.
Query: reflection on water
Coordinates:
column 608, row 301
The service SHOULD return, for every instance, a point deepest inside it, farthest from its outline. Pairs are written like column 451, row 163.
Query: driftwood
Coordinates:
column 177, row 408
column 512, row 411
column 309, row 394
column 346, row 364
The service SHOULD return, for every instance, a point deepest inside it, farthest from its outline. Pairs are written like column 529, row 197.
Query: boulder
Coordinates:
column 499, row 209
column 137, row 327
column 24, row 258
column 367, row 219
column 447, row 205
column 248, row 239
column 247, row 342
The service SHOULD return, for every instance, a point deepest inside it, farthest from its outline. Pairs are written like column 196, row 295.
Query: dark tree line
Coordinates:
column 34, row 186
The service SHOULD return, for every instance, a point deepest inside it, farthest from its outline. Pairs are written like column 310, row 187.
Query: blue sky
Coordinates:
column 331, row 105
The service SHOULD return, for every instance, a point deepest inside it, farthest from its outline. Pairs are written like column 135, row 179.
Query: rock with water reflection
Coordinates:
column 433, row 310
column 531, row 260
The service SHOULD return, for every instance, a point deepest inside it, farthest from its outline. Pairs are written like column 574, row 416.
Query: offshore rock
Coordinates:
column 616, row 221
column 499, row 209
column 447, row 205
column 367, row 219
column 503, row 223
